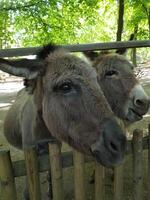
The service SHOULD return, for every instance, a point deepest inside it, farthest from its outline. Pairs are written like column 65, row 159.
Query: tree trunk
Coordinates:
column 133, row 51
column 120, row 19
column 149, row 22
column 147, row 11
column 134, row 57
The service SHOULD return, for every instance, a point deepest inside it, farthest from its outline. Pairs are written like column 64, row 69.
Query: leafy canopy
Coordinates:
column 37, row 22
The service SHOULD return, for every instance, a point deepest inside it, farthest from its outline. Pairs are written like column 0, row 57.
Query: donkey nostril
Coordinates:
column 142, row 103
column 139, row 102
column 113, row 147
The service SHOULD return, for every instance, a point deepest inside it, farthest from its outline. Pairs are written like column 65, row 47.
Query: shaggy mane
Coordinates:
column 46, row 50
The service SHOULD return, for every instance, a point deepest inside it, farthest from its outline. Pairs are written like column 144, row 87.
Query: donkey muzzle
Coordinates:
column 138, row 105
column 110, row 149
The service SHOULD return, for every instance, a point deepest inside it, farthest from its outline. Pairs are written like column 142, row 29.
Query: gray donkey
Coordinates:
column 67, row 103
column 120, row 86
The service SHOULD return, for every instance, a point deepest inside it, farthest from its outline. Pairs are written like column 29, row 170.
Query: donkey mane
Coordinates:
column 44, row 52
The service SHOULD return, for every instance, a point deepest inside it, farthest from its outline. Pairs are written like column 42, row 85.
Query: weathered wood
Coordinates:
column 77, row 48
column 137, row 164
column 32, row 173
column 7, row 182
column 56, row 170
column 67, row 160
column 118, row 182
column 99, row 182
column 118, row 174
column 79, row 181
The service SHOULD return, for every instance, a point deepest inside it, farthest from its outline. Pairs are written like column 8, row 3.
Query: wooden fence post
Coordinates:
column 79, row 184
column 137, row 164
column 118, row 174
column 99, row 182
column 118, row 182
column 7, row 182
column 32, row 173
column 56, row 170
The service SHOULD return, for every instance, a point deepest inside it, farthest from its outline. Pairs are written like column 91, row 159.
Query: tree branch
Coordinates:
column 20, row 7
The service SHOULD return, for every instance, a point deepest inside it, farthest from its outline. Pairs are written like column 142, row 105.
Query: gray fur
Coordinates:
column 118, row 87
column 81, row 117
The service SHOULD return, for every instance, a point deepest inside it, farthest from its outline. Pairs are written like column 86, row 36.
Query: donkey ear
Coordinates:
column 124, row 50
column 121, row 51
column 27, row 68
column 91, row 55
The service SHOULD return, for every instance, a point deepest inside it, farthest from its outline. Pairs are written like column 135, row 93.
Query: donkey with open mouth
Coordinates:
column 124, row 93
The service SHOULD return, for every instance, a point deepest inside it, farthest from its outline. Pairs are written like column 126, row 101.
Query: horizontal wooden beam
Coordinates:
column 15, row 52
column 67, row 160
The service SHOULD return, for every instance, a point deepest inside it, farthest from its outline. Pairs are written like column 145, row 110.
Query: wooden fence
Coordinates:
column 57, row 161
column 77, row 48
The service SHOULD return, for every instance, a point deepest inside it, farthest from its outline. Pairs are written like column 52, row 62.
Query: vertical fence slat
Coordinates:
column 7, row 182
column 32, row 173
column 79, row 185
column 118, row 183
column 137, row 164
column 118, row 174
column 99, row 182
column 56, row 170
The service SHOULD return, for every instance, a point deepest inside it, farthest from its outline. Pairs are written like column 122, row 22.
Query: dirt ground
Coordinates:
column 8, row 89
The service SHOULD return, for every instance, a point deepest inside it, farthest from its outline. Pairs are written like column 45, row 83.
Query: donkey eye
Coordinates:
column 111, row 73
column 65, row 88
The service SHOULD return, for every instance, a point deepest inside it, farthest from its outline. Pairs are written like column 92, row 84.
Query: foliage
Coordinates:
column 138, row 14
column 36, row 22
column 42, row 21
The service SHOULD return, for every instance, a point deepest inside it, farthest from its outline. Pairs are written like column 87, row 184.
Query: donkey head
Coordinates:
column 73, row 106
column 122, row 90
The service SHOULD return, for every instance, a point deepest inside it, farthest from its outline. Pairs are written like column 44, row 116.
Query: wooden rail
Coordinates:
column 77, row 47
